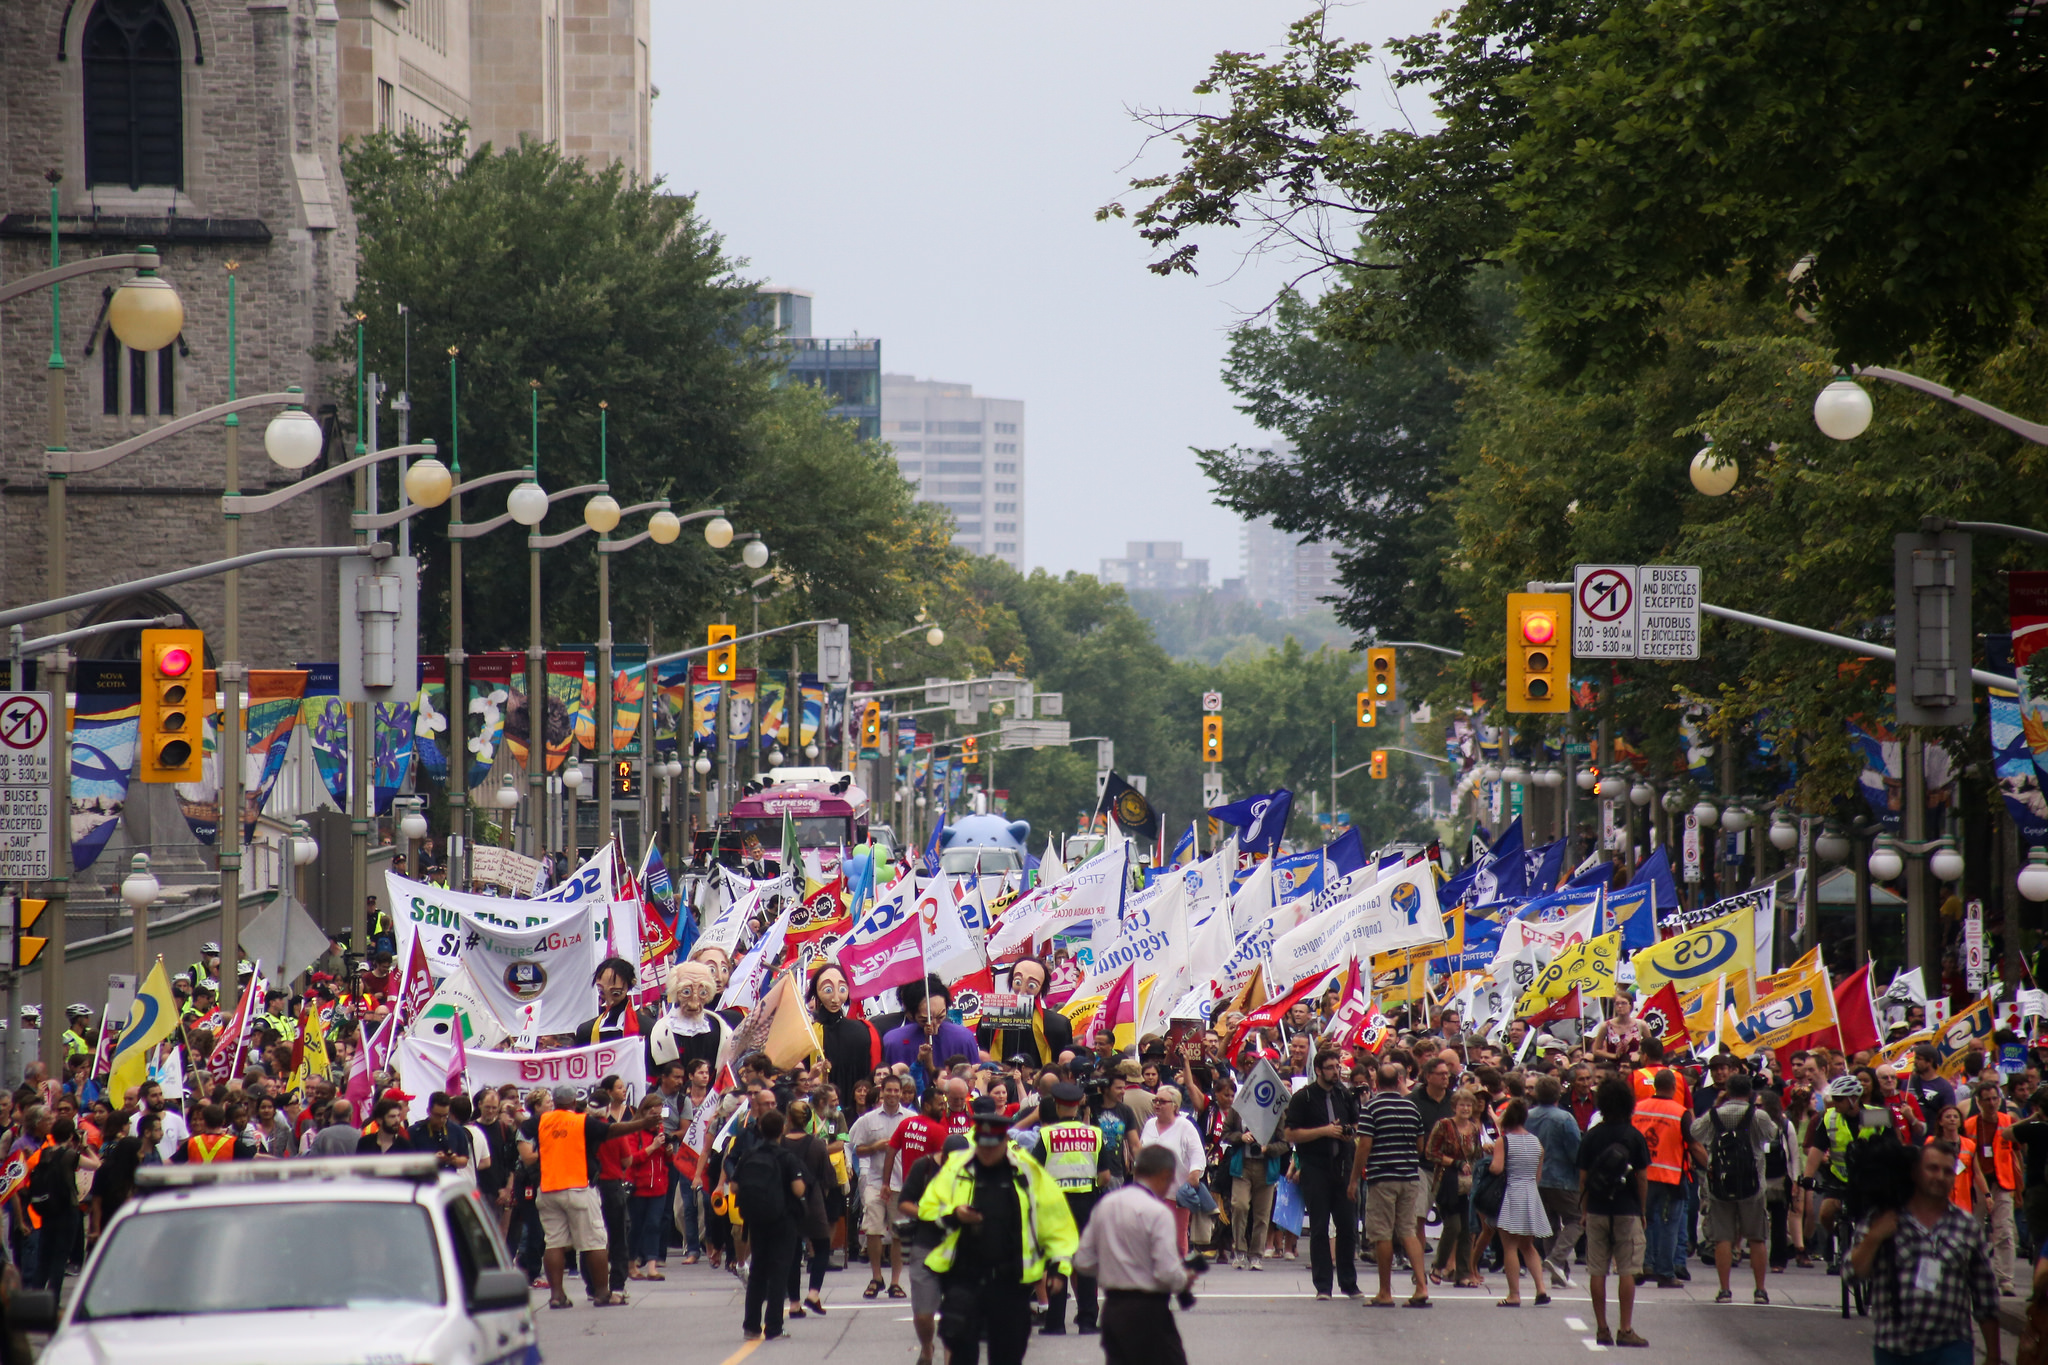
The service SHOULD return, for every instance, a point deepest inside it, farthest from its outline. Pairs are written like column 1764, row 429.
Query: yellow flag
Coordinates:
column 1898, row 1052
column 1694, row 958
column 1767, row 985
column 1588, row 965
column 790, row 1039
column 1972, row 1028
column 1700, row 1020
column 1806, row 1005
column 151, row 1019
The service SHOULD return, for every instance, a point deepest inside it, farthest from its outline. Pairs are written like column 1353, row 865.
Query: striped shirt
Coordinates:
column 1395, row 1127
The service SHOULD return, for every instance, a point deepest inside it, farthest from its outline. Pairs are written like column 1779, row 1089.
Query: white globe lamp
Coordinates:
column 755, row 555
column 663, row 527
column 293, row 439
column 2033, row 878
column 1713, row 475
column 1707, row 813
column 140, row 889
column 528, row 503
column 1784, row 833
column 1885, row 863
column 1842, row 410
column 413, row 826
column 1945, row 862
column 427, row 482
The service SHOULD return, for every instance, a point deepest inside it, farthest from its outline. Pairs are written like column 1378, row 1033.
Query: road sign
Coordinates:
column 28, row 809
column 1212, row 702
column 1691, row 847
column 1212, row 790
column 1668, row 612
column 1604, row 611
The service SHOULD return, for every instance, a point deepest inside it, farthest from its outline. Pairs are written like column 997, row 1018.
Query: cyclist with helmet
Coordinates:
column 1846, row 1121
column 208, row 964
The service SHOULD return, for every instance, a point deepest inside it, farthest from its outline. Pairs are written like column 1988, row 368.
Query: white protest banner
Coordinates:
column 1149, row 925
column 1554, row 937
column 460, row 1001
column 538, row 980
column 1254, row 948
column 435, row 916
column 423, row 1068
column 1398, row 911
column 949, row 950
column 1304, row 950
column 1262, row 1101
column 1254, row 900
column 494, row 866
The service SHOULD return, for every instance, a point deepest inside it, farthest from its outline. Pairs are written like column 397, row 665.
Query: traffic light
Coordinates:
column 1212, row 739
column 722, row 663
column 173, row 706
column 1379, row 673
column 26, row 947
column 625, row 780
column 871, row 727
column 1379, row 762
column 1368, row 710
column 970, row 751
column 1539, row 652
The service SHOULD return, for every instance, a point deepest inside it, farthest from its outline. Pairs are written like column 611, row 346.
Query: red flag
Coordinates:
column 418, row 990
column 894, row 959
column 1663, row 1015
column 1854, row 1015
column 1120, row 1009
column 1568, row 1007
column 1354, row 1006
column 227, row 1048
column 1273, row 1011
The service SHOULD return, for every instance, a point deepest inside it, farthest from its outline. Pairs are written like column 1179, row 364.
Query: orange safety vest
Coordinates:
column 207, row 1148
column 1662, row 1123
column 564, row 1161
column 1644, row 1081
column 2003, row 1175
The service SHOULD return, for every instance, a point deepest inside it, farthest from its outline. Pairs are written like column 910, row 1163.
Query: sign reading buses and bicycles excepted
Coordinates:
column 1636, row 611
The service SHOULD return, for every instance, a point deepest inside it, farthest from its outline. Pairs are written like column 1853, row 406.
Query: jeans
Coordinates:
column 772, row 1246
column 1689, row 1229
column 1562, row 1207
column 1961, row 1351
column 692, row 1202
column 1661, row 1228
column 611, row 1197
column 644, row 1217
column 1323, row 1197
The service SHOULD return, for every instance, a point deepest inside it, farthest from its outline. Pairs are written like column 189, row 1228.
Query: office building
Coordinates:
column 1156, row 566
column 965, row 453
column 847, row 368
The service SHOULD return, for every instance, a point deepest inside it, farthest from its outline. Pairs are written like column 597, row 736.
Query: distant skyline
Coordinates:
column 931, row 172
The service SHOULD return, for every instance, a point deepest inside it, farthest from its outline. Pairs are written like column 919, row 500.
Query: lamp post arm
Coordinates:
column 1397, row 749
column 1356, row 766
column 612, row 547
column 1985, row 528
column 379, row 521
column 1418, row 644
column 470, row 530
column 36, row 611
column 86, row 461
column 2020, row 426
column 236, row 504
column 538, row 542
column 1849, row 643
column 701, row 650
column 43, row 644
column 28, row 284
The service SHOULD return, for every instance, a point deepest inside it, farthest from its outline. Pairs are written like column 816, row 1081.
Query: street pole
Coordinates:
column 1915, row 822
column 536, row 698
column 360, row 738
column 647, row 801
column 458, row 688
column 58, row 670
column 227, row 838
column 604, row 655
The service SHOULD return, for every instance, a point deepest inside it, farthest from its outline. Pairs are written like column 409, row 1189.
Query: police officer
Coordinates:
column 1005, row 1226
column 278, row 1015
column 78, row 1030
column 1075, row 1156
column 200, row 1006
column 208, row 964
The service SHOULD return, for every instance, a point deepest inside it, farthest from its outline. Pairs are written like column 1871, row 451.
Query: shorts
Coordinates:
column 876, row 1217
column 1614, row 1242
column 925, row 1287
column 571, row 1219
column 1391, row 1208
column 1737, row 1220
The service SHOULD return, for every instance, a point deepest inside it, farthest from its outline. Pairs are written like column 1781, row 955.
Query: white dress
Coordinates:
column 1521, row 1207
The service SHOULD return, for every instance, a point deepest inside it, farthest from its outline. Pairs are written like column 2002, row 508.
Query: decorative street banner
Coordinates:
column 488, row 679
column 392, row 758
column 704, row 714
column 562, row 675
column 105, row 732
column 423, row 1068
column 199, row 802
column 773, row 704
column 812, row 712
column 275, row 697
column 325, row 717
column 430, row 718
column 629, row 695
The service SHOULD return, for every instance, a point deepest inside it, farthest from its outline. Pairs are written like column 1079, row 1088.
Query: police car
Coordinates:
column 372, row 1260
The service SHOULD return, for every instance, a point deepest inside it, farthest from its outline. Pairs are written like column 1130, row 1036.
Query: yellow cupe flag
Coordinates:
column 1807, row 1005
column 1589, row 966
column 151, row 1019
column 1694, row 958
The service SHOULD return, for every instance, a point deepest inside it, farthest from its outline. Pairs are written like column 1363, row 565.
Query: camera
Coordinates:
column 1195, row 1264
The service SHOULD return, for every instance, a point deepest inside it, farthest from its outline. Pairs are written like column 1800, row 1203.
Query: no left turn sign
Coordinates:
column 1604, row 611
column 23, row 722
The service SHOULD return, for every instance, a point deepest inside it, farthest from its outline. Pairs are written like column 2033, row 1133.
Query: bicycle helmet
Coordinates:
column 1845, row 1087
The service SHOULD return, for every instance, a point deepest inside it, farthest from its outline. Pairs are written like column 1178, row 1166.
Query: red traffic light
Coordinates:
column 1538, row 627
column 174, row 662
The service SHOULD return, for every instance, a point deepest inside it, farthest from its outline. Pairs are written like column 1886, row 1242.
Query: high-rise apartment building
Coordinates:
column 1287, row 572
column 1156, row 566
column 964, row 453
column 571, row 72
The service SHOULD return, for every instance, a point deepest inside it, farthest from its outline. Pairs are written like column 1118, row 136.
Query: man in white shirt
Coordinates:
column 870, row 1136
column 175, row 1131
column 1130, row 1248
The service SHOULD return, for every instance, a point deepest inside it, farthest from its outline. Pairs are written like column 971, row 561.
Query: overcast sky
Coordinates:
column 931, row 172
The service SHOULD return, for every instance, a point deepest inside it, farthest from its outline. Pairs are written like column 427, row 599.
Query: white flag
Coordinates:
column 1262, row 1102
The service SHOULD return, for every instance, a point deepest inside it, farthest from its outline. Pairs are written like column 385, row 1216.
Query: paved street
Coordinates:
column 1245, row 1318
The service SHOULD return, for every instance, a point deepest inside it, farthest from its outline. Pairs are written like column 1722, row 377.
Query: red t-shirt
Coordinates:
column 915, row 1137
column 959, row 1122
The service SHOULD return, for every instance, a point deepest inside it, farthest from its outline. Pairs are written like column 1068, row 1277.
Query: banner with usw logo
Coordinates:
column 1806, row 1005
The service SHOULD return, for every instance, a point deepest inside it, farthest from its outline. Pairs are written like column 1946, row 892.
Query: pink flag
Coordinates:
column 1121, row 1008
column 227, row 1049
column 377, row 1049
column 360, row 1088
column 894, row 959
column 458, row 1062
column 418, row 991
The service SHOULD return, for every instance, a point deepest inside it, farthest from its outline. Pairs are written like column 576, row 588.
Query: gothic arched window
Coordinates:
column 134, row 105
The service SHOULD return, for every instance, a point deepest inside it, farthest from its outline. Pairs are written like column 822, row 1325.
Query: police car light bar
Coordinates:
column 423, row 1167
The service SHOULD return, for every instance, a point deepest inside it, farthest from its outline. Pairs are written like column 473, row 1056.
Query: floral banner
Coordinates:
column 430, row 718
column 489, row 683
column 391, row 758
column 773, row 706
column 325, row 717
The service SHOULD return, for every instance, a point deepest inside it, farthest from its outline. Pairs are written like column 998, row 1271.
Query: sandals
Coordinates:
column 1760, row 1296
column 611, row 1301
column 873, row 1290
column 559, row 1303
column 1725, row 1296
column 1507, row 1303
column 896, row 1291
column 1436, row 1277
column 1421, row 1301
column 689, row 1258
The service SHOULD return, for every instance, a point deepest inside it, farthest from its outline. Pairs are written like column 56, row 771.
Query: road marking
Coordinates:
column 1591, row 1344
column 741, row 1354
column 1576, row 1324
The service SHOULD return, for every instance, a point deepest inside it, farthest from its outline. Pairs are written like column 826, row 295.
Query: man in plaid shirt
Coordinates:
column 1929, row 1271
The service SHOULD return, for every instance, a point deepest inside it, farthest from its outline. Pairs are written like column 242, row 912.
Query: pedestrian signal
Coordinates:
column 1379, row 673
column 1539, row 652
column 173, row 711
column 722, row 664
column 1212, row 739
column 1379, row 762
column 625, row 781
column 1368, row 710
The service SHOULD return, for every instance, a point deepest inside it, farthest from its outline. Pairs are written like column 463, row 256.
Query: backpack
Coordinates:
column 761, row 1185
column 1607, row 1178
column 1731, row 1162
column 42, row 1185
